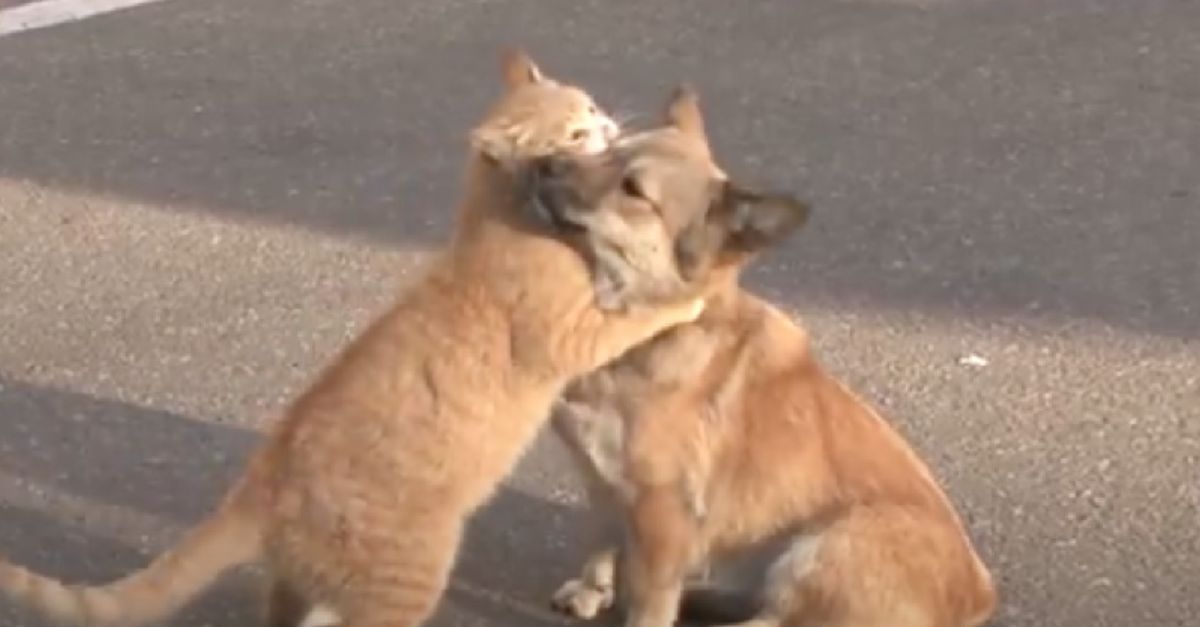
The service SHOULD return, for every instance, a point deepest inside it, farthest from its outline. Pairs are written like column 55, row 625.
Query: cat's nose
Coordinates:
column 597, row 141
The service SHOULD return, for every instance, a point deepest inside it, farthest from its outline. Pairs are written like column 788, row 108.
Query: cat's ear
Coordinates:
column 683, row 112
column 520, row 70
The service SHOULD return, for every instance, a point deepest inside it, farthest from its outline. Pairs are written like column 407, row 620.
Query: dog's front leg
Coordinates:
column 660, row 548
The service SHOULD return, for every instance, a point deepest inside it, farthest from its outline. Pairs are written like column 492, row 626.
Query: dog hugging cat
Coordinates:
column 357, row 500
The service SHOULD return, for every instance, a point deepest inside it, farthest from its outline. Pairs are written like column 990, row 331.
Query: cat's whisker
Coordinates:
column 626, row 120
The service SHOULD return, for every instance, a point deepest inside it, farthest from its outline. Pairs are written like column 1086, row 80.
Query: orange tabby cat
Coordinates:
column 357, row 500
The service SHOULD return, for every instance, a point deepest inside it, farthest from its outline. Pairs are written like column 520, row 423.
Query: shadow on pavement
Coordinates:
column 86, row 450
column 970, row 158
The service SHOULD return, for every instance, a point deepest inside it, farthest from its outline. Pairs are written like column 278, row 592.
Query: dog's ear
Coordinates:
column 520, row 70
column 683, row 112
column 756, row 220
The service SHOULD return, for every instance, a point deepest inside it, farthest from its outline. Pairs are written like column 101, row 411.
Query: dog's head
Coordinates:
column 657, row 213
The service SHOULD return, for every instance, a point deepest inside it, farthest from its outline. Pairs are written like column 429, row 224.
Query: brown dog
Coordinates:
column 724, row 438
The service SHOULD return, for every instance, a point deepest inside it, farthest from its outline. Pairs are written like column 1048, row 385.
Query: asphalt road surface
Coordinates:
column 200, row 201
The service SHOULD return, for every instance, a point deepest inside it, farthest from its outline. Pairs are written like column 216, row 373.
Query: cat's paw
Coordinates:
column 579, row 599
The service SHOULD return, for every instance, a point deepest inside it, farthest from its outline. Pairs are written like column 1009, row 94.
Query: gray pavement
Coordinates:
column 199, row 201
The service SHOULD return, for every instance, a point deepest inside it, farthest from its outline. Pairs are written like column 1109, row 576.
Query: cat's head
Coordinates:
column 538, row 116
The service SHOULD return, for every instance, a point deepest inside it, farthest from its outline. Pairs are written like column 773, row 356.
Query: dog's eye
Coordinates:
column 579, row 134
column 630, row 187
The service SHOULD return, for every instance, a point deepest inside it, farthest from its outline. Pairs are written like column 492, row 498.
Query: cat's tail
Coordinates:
column 229, row 537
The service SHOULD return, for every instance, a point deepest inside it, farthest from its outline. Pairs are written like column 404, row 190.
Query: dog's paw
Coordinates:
column 579, row 599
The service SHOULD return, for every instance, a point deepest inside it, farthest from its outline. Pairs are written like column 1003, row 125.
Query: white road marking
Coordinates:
column 45, row 13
